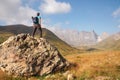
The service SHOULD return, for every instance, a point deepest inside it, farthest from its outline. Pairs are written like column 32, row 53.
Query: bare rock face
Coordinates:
column 23, row 55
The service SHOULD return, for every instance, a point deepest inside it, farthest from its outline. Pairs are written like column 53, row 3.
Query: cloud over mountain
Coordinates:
column 54, row 6
column 13, row 12
column 20, row 11
column 116, row 13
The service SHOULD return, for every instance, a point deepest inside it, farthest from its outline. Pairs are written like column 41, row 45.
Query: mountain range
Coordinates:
column 67, row 40
column 110, row 43
column 82, row 38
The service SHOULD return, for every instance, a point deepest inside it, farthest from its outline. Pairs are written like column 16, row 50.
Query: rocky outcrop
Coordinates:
column 23, row 55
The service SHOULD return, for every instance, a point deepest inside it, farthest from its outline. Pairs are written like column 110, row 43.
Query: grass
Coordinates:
column 94, row 64
column 4, row 36
column 4, row 76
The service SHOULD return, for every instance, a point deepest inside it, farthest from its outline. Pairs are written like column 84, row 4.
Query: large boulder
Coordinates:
column 23, row 55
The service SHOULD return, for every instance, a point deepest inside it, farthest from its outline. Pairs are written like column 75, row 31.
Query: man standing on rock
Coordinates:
column 37, row 24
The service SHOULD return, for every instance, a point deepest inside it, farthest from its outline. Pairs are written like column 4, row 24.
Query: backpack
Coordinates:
column 35, row 20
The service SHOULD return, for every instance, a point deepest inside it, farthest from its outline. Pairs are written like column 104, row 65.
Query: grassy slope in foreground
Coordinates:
column 96, row 65
column 4, row 36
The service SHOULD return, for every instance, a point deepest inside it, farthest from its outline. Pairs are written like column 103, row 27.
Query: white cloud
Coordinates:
column 8, row 7
column 53, row 7
column 118, row 26
column 67, row 22
column 20, row 11
column 24, row 15
column 13, row 12
column 116, row 13
column 118, row 21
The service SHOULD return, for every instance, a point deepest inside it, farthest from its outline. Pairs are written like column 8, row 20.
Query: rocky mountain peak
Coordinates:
column 76, row 38
column 23, row 55
column 116, row 36
column 103, row 36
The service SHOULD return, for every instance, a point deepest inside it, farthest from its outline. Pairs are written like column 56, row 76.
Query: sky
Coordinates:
column 80, row 15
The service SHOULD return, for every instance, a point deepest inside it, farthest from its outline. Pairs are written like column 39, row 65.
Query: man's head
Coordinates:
column 38, row 14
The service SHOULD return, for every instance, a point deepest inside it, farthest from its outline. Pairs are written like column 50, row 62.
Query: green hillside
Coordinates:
column 63, row 47
column 4, row 36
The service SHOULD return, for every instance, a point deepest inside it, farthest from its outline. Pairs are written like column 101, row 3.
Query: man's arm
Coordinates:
column 32, row 18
